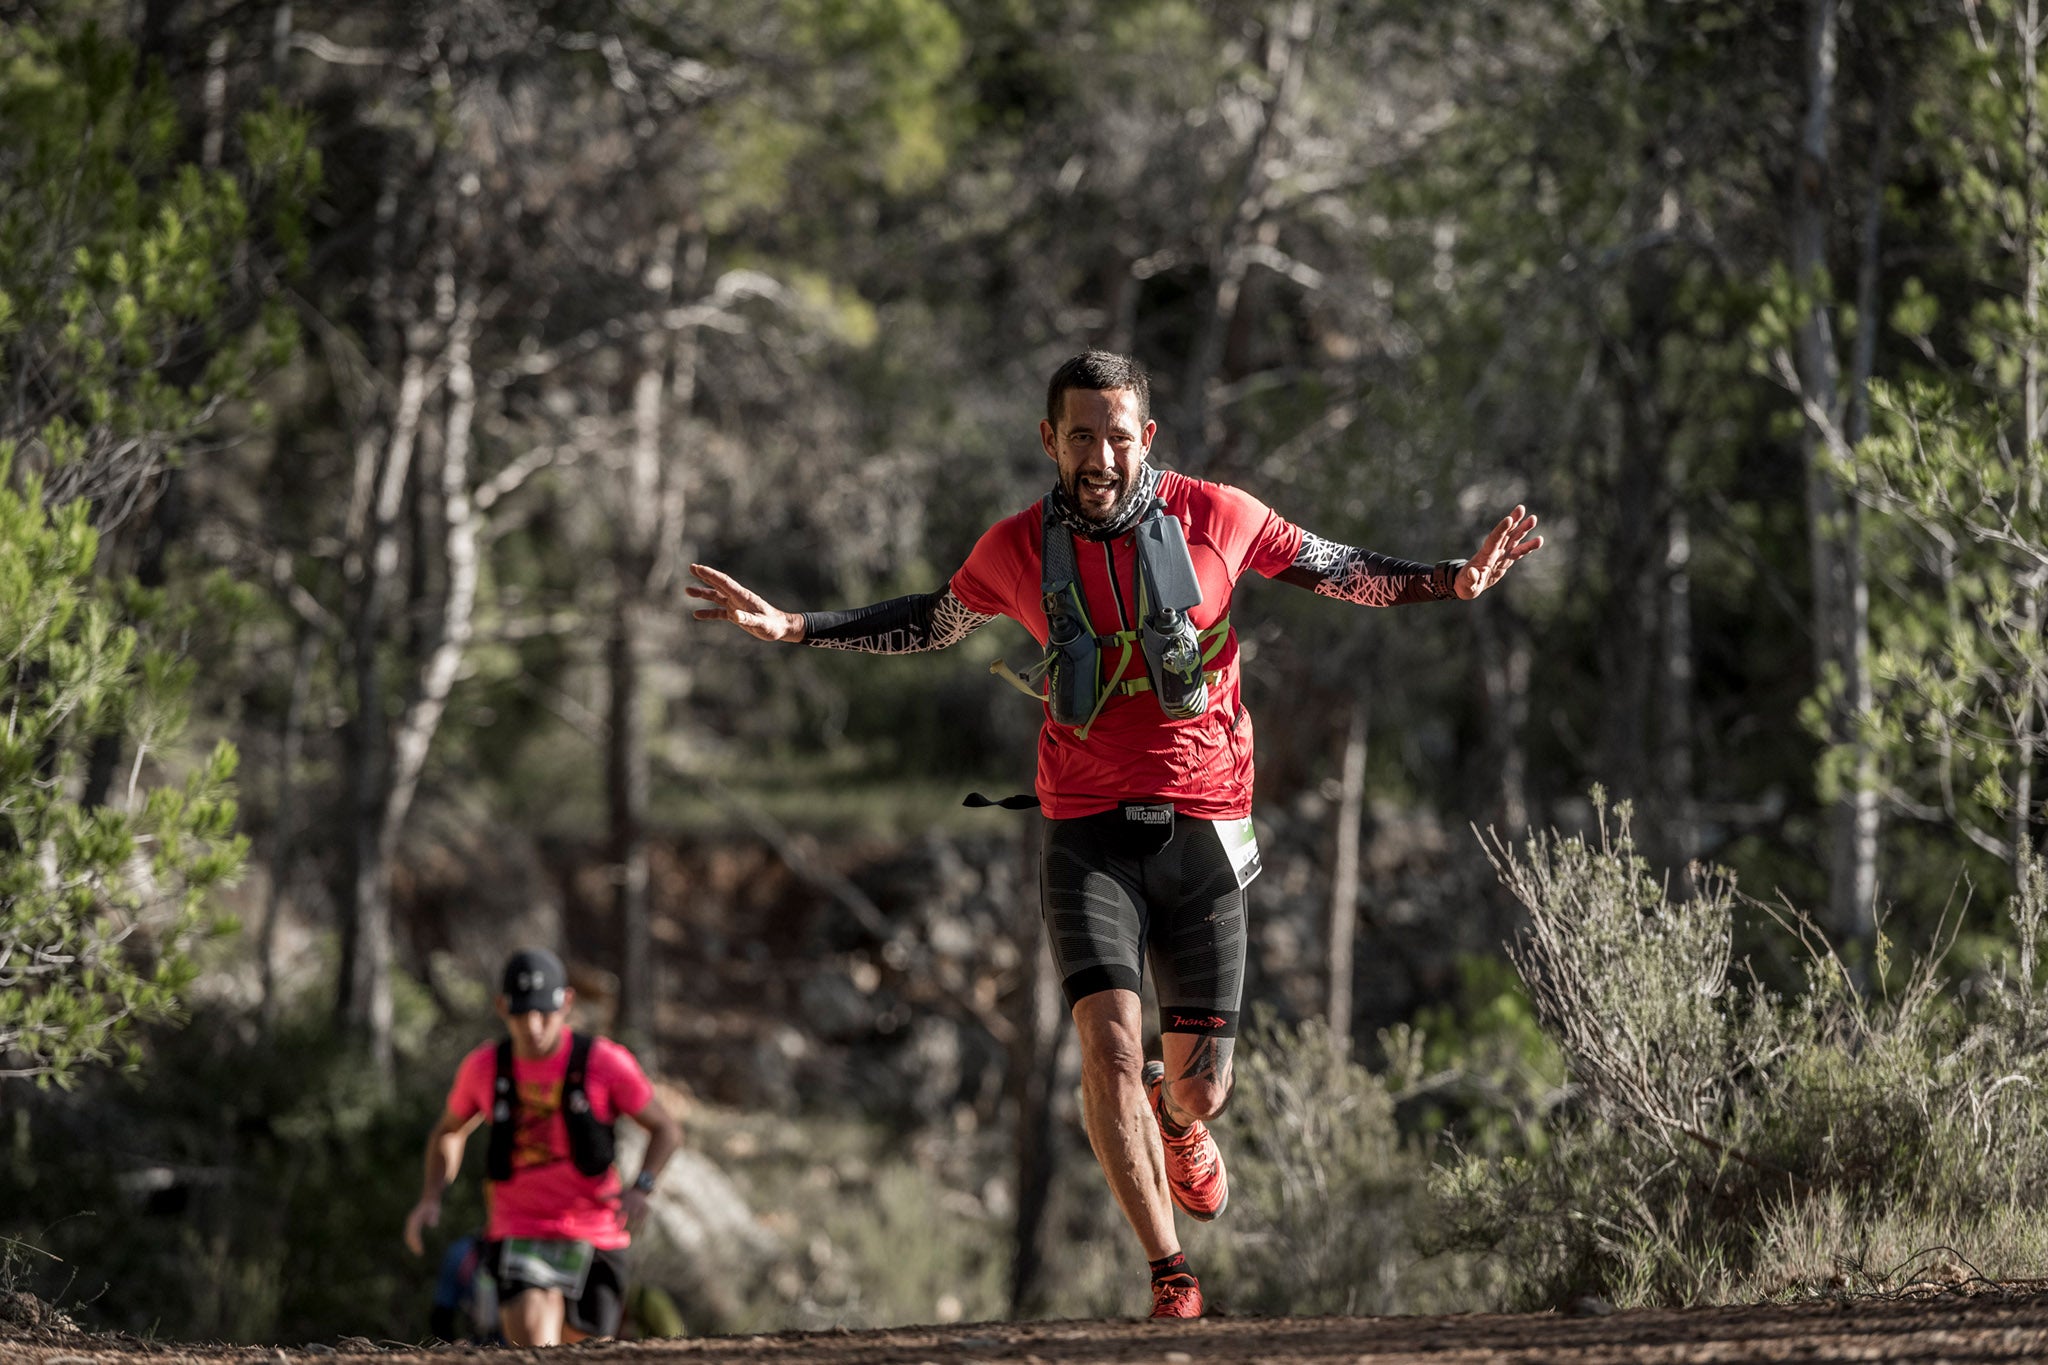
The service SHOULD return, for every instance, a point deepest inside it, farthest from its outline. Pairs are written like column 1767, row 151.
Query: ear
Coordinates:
column 1045, row 438
column 1151, row 430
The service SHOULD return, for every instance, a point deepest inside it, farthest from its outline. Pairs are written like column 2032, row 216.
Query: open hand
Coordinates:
column 741, row 605
column 1507, row 542
column 632, row 1207
column 425, row 1214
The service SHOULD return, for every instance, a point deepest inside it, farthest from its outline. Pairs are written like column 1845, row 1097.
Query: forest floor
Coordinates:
column 1989, row 1323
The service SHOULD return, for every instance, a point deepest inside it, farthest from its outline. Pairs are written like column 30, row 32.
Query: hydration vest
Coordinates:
column 590, row 1142
column 1174, row 651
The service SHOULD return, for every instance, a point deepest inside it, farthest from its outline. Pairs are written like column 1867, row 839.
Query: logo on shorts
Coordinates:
column 1149, row 815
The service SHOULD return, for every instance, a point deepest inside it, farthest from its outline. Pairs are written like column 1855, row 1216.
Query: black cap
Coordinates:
column 534, row 980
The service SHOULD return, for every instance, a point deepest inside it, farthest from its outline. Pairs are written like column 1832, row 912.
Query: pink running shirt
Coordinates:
column 547, row 1196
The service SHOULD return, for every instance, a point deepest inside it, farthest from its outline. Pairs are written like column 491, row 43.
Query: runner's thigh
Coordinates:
column 1094, row 910
column 596, row 1313
column 1197, row 932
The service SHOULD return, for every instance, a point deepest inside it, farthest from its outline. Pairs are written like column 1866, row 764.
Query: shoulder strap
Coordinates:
column 1056, row 569
column 591, row 1144
column 504, row 1116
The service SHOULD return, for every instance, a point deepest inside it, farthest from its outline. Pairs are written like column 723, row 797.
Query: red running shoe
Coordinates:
column 1177, row 1296
column 1194, row 1168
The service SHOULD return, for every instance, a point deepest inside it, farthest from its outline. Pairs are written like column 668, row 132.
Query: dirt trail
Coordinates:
column 2004, row 1324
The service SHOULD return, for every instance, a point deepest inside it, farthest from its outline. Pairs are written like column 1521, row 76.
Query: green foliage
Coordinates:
column 873, row 107
column 128, row 309
column 255, row 1191
column 1327, row 1194
column 1733, row 1144
column 98, row 904
column 1959, row 668
column 1479, row 1069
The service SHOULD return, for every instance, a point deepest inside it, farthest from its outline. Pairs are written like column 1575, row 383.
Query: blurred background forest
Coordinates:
column 372, row 372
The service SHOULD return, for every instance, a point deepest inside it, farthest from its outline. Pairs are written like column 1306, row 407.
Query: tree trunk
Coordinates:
column 1840, row 596
column 626, row 790
column 214, row 100
column 460, row 530
column 1675, row 722
column 284, row 845
column 626, row 759
column 1233, row 236
column 1343, row 929
column 389, row 760
column 364, row 996
column 1505, row 660
column 1860, row 822
column 2033, row 707
column 1627, row 648
column 1035, row 1067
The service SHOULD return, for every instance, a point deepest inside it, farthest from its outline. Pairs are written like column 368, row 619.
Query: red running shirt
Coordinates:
column 1134, row 751
column 547, row 1196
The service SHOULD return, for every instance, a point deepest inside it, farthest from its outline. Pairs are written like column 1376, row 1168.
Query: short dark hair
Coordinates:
column 1100, row 371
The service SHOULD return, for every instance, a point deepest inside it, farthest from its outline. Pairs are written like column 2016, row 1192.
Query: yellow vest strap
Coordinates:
column 1137, row 685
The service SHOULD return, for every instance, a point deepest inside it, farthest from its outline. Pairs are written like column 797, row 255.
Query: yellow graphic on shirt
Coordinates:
column 533, row 1142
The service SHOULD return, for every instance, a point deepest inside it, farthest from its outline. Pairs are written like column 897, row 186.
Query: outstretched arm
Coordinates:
column 1507, row 542
column 734, row 601
column 443, row 1160
column 1377, row 580
column 902, row 625
column 1372, row 580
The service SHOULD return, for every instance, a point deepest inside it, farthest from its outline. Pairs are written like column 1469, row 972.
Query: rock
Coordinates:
column 835, row 1007
column 19, row 1308
column 701, row 1242
column 930, row 1067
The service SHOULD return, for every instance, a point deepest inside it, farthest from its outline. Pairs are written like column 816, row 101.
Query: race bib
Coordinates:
column 1242, row 848
column 547, row 1264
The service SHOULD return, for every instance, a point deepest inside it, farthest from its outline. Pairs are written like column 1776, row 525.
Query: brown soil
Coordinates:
column 2001, row 1323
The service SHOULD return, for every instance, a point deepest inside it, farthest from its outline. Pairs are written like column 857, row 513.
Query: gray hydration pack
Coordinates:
column 1167, row 591
column 1165, row 636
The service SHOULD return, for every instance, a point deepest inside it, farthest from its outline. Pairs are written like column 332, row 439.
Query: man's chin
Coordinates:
column 1101, row 514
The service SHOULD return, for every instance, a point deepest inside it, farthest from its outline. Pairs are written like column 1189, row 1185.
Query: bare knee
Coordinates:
column 1199, row 1097
column 532, row 1317
column 1112, row 1038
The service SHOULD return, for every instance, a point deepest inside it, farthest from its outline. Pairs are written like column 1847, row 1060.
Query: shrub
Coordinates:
column 246, row 1186
column 1327, row 1194
column 1731, row 1143
column 99, row 899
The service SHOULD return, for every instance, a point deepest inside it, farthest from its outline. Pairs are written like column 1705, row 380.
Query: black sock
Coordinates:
column 1176, row 1264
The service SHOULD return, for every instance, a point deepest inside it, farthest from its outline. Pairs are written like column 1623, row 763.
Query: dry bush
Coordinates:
column 1327, row 1194
column 1730, row 1143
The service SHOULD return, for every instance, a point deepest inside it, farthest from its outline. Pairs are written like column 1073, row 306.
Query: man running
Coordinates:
column 558, row 1218
column 1124, row 572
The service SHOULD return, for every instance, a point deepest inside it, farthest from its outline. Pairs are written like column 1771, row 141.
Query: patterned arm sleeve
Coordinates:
column 1369, row 579
column 902, row 625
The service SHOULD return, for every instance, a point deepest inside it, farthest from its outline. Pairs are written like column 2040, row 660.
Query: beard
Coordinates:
column 1133, row 496
column 1127, row 489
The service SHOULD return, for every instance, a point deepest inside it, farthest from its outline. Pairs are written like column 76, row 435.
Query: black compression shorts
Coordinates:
column 1126, row 886
column 595, row 1312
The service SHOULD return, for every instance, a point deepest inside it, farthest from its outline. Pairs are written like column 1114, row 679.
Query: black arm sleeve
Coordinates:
column 902, row 625
column 1369, row 579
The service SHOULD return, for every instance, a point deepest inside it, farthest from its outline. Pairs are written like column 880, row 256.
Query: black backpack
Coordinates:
column 590, row 1142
